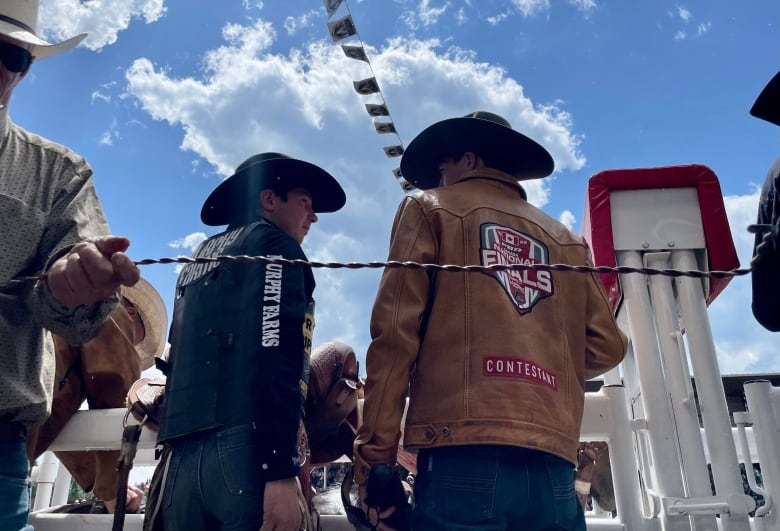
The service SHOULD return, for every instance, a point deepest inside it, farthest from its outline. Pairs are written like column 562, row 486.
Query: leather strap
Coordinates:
column 130, row 437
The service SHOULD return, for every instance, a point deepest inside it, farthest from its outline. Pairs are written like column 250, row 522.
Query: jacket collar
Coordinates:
column 492, row 174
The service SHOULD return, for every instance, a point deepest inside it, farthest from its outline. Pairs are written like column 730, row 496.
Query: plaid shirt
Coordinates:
column 47, row 204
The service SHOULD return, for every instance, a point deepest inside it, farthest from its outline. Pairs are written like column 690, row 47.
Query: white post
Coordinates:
column 47, row 473
column 678, row 379
column 61, row 487
column 625, row 479
column 666, row 469
column 760, row 397
column 709, row 387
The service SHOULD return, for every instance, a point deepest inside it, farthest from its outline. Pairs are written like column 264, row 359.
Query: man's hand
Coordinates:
column 92, row 271
column 281, row 511
column 133, row 503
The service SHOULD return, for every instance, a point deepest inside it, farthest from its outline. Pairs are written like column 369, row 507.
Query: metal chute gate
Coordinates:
column 663, row 438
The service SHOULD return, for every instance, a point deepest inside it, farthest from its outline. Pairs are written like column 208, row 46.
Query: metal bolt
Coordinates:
column 645, row 245
column 670, row 244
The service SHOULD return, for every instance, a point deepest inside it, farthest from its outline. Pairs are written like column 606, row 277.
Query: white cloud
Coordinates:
column 683, row 13
column 102, row 21
column 497, row 19
column 742, row 345
column 136, row 123
column 531, row 7
column 190, row 241
column 461, row 17
column 97, row 95
column 425, row 15
column 293, row 24
column 110, row 134
column 309, row 109
column 568, row 219
column 583, row 5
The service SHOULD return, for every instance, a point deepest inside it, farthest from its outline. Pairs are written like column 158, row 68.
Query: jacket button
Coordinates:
column 430, row 434
column 445, row 431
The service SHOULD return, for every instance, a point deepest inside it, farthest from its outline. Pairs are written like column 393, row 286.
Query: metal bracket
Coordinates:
column 735, row 504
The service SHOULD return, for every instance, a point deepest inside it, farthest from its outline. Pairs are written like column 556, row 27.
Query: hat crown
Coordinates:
column 485, row 133
column 490, row 117
column 234, row 201
column 260, row 157
column 21, row 13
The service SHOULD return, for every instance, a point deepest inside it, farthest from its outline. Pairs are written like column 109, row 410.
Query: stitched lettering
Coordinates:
column 272, row 292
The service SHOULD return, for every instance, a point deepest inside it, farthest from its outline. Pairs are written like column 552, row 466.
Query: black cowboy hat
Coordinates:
column 484, row 133
column 767, row 105
column 235, row 200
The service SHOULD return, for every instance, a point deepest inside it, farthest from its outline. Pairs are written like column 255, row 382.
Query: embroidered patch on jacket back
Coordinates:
column 505, row 246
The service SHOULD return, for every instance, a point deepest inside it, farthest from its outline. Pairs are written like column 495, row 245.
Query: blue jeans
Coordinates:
column 494, row 488
column 14, row 478
column 214, row 483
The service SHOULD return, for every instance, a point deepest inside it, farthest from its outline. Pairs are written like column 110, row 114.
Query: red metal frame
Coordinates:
column 597, row 222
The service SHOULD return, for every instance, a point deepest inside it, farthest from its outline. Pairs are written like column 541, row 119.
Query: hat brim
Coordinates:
column 767, row 105
column 506, row 149
column 151, row 308
column 237, row 196
column 38, row 47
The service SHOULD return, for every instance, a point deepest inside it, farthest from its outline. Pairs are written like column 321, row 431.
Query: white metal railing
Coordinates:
column 606, row 417
column 658, row 452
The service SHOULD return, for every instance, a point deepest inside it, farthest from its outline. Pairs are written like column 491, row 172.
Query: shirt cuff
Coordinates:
column 275, row 465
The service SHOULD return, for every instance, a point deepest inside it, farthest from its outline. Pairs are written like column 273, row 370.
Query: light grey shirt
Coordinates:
column 47, row 204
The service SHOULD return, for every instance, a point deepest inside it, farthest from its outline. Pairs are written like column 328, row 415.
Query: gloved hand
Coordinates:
column 385, row 490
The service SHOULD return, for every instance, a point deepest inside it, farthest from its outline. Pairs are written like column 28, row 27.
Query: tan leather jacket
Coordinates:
column 497, row 358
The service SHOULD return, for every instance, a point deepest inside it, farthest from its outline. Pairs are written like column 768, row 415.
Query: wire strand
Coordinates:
column 762, row 249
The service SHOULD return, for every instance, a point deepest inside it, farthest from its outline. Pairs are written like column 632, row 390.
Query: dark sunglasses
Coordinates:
column 15, row 58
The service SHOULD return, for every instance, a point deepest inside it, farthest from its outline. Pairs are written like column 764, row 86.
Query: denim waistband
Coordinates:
column 505, row 452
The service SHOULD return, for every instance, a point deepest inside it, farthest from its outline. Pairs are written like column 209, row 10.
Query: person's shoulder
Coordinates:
column 48, row 150
column 774, row 172
column 552, row 227
column 426, row 199
column 273, row 240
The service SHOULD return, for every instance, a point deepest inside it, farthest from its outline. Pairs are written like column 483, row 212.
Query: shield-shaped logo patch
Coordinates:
column 502, row 245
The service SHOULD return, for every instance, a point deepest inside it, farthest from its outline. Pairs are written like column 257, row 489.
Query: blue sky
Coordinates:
column 164, row 99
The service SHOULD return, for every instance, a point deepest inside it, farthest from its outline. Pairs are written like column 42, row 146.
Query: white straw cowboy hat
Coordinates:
column 485, row 133
column 151, row 309
column 19, row 22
